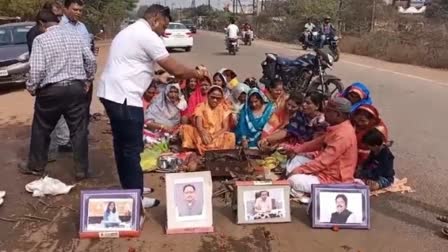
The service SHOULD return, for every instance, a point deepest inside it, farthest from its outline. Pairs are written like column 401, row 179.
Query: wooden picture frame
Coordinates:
column 189, row 202
column 110, row 214
column 273, row 196
column 342, row 205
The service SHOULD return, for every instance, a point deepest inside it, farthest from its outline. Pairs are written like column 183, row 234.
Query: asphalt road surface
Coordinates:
column 411, row 100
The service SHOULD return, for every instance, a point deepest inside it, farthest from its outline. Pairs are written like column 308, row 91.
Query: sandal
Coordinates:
column 445, row 231
column 443, row 218
column 148, row 190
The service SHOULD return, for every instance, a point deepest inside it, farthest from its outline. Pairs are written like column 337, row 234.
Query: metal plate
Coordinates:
column 3, row 73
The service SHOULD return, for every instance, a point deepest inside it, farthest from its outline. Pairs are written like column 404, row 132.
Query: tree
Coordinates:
column 108, row 14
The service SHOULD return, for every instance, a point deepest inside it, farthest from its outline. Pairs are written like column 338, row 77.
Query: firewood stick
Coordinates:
column 36, row 217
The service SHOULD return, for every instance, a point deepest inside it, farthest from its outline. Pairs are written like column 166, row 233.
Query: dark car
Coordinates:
column 14, row 56
column 190, row 25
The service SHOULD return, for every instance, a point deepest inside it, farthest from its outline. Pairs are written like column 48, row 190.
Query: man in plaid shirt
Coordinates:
column 61, row 70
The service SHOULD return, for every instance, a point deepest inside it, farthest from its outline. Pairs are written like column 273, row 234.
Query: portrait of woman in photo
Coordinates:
column 111, row 213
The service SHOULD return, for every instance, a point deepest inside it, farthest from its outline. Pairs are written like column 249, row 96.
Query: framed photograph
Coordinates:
column 341, row 205
column 263, row 202
column 189, row 202
column 110, row 214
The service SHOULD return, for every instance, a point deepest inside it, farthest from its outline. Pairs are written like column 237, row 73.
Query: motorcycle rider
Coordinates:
column 232, row 32
column 327, row 30
column 309, row 27
column 248, row 29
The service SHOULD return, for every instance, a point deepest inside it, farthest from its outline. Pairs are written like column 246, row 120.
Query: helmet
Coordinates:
column 327, row 17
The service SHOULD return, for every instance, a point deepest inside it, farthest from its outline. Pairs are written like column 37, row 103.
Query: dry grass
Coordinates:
column 391, row 48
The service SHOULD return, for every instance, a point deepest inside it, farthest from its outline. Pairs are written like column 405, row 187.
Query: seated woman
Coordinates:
column 230, row 77
column 238, row 99
column 365, row 118
column 307, row 120
column 220, row 80
column 211, row 127
column 257, row 118
column 276, row 93
column 149, row 95
column 188, row 87
column 196, row 98
column 163, row 116
column 358, row 94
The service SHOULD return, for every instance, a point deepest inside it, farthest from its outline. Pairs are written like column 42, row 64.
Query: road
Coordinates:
column 411, row 100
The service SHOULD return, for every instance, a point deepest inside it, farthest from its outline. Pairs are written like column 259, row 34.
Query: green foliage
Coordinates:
column 438, row 10
column 25, row 9
column 109, row 13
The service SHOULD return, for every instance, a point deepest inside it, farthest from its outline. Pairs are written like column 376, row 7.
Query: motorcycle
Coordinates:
column 308, row 38
column 232, row 46
column 304, row 74
column 333, row 42
column 247, row 38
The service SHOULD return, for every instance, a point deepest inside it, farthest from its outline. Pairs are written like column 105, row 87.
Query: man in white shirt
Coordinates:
column 127, row 74
column 232, row 31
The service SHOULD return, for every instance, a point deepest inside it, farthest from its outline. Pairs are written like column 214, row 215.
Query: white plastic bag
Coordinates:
column 47, row 186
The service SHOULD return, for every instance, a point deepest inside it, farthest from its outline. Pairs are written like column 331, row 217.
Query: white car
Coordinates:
column 177, row 35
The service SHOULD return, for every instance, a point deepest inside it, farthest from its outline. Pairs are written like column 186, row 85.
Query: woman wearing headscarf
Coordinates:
column 197, row 97
column 365, row 118
column 358, row 94
column 238, row 99
column 211, row 129
column 149, row 95
column 188, row 87
column 257, row 118
column 230, row 78
column 276, row 93
column 220, row 80
column 163, row 116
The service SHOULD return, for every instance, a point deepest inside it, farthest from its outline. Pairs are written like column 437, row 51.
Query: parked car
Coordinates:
column 14, row 56
column 190, row 25
column 178, row 35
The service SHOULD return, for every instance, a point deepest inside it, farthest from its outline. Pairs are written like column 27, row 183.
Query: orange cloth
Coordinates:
column 336, row 161
column 378, row 123
column 212, row 122
column 280, row 107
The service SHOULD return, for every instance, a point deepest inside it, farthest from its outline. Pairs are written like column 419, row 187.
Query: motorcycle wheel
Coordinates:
column 337, row 53
column 330, row 89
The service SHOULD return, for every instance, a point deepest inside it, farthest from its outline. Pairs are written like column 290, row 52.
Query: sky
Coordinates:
column 187, row 3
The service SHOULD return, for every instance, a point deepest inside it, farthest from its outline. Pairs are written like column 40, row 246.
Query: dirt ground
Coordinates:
column 399, row 222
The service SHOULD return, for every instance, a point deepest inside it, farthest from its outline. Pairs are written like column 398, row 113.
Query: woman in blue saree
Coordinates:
column 358, row 94
column 256, row 119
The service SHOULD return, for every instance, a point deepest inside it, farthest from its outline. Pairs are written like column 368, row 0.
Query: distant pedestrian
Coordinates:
column 128, row 73
column 61, row 68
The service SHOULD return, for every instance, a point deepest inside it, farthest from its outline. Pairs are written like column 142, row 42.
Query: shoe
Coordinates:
column 148, row 190
column 52, row 157
column 23, row 168
column 65, row 148
column 2, row 194
column 150, row 202
column 90, row 175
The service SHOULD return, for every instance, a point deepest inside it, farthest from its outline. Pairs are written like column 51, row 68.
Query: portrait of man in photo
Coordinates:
column 189, row 205
column 342, row 214
column 263, row 204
